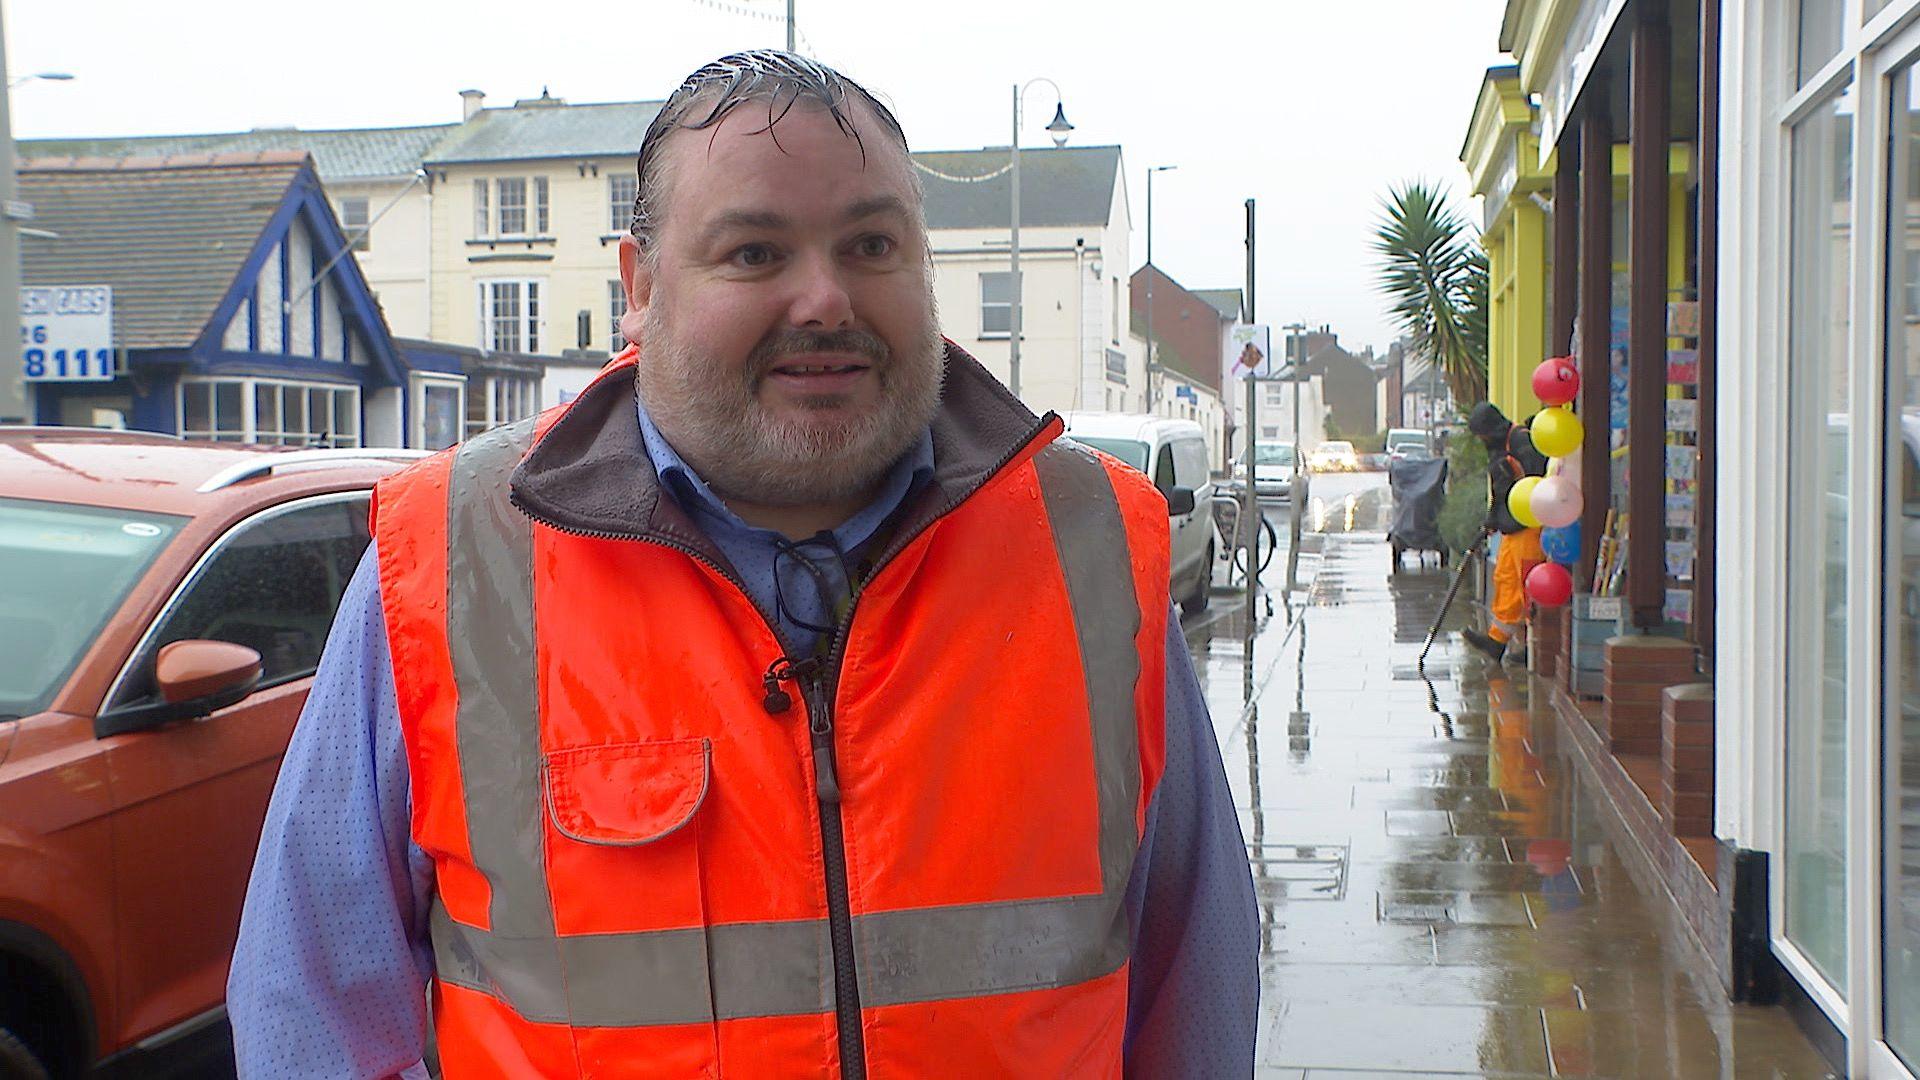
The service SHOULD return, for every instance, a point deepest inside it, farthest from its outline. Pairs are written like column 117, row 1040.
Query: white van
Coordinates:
column 1174, row 454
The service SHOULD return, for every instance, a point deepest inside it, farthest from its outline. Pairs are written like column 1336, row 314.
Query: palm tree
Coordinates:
column 1432, row 268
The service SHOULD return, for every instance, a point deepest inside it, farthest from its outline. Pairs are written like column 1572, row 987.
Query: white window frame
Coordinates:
column 985, row 305
column 482, row 208
column 417, row 413
column 622, row 189
column 250, row 430
column 1762, row 102
column 616, row 307
column 356, row 230
column 515, row 186
column 503, row 399
column 542, row 209
column 532, row 323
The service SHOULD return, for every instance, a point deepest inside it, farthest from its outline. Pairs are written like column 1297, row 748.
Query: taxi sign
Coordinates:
column 66, row 333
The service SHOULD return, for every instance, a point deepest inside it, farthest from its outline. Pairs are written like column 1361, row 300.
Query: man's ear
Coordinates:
column 636, row 278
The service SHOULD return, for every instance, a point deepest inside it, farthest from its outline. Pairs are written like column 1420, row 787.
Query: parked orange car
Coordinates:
column 162, row 607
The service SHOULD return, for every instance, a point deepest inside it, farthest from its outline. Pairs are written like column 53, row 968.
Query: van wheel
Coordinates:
column 16, row 1061
column 1196, row 601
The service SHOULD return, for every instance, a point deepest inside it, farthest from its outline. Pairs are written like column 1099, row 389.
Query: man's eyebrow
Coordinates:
column 742, row 219
column 878, row 204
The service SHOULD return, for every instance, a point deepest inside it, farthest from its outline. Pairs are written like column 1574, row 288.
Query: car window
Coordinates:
column 1163, row 469
column 272, row 586
column 1274, row 454
column 64, row 571
column 1190, row 462
column 1131, row 451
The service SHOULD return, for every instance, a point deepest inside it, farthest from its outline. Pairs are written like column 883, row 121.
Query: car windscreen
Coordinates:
column 1131, row 451
column 1410, row 439
column 64, row 571
column 1270, row 454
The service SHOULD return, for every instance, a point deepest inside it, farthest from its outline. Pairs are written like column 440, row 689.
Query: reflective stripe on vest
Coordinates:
column 757, row 969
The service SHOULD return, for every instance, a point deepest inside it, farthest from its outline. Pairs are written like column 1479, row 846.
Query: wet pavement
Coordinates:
column 1437, row 895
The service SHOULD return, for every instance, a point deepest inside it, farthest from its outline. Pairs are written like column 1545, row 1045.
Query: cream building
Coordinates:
column 495, row 237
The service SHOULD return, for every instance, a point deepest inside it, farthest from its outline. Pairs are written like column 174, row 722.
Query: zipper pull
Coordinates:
column 826, row 780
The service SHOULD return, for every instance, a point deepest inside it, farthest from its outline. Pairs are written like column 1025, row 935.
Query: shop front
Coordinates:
column 1821, row 660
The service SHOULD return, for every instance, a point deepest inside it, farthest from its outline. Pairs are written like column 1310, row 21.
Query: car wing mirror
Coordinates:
column 196, row 678
column 1179, row 501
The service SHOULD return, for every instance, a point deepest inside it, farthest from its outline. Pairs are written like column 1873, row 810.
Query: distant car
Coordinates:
column 1174, row 454
column 1408, row 444
column 1273, row 471
column 163, row 604
column 1334, row 455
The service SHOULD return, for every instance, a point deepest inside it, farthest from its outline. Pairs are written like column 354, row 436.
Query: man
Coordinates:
column 790, row 703
column 1510, row 456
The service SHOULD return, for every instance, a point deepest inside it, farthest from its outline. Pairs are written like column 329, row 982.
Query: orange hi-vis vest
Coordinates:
column 665, row 848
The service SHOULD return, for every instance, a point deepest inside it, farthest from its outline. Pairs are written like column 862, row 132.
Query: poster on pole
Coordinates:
column 1249, row 352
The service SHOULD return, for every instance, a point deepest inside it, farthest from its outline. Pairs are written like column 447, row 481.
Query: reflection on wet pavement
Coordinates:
column 1437, row 896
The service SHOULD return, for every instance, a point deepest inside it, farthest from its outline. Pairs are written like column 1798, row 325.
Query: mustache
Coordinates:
column 787, row 342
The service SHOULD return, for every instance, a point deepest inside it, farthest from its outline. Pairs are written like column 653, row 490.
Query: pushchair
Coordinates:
column 1419, row 487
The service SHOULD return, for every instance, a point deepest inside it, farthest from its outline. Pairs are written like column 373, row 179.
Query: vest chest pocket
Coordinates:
column 623, row 844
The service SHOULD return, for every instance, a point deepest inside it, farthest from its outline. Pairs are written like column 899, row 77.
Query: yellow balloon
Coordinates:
column 1557, row 432
column 1520, row 501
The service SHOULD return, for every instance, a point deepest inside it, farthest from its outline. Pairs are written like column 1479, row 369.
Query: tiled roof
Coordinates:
column 533, row 131
column 1225, row 301
column 350, row 154
column 1070, row 186
column 169, row 234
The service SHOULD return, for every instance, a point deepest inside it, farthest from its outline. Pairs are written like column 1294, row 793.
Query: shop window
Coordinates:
column 493, row 400
column 996, row 304
column 1900, row 579
column 1819, row 449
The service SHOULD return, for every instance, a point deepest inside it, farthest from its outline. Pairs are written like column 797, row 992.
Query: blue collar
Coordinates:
column 909, row 474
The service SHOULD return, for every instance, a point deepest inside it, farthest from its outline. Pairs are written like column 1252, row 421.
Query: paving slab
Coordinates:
column 1438, row 898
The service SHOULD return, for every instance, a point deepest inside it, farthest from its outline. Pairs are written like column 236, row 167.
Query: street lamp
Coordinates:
column 1150, row 275
column 1059, row 127
column 13, row 386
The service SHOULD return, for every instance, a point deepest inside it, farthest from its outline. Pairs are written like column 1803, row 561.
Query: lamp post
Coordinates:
column 1296, row 510
column 1150, row 274
column 13, row 383
column 1059, row 127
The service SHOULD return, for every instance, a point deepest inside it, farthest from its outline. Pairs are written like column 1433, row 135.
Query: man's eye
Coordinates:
column 753, row 256
column 874, row 247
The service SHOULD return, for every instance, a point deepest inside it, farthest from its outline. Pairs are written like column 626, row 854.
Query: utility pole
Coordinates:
column 789, row 25
column 1250, row 513
column 1151, row 350
column 13, row 382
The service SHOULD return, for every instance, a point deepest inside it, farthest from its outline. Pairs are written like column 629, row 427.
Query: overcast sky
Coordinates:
column 1310, row 106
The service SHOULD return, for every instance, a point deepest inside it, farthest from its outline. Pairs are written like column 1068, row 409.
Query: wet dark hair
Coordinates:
column 711, row 94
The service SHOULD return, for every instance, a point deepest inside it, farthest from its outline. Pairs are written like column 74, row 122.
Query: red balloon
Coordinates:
column 1549, row 584
column 1556, row 381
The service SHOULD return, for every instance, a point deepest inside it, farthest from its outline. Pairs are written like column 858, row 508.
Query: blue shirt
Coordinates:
column 330, row 972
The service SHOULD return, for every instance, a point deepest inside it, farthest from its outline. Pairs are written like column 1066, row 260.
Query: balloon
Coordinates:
column 1562, row 544
column 1549, row 584
column 1520, row 501
column 1556, row 432
column 1556, row 381
column 1556, row 501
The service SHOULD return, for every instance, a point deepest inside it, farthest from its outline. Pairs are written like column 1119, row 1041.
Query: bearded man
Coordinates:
column 790, row 703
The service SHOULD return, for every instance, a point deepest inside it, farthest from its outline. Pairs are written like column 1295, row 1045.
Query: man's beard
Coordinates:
column 715, row 420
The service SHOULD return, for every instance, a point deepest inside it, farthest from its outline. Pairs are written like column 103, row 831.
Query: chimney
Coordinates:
column 471, row 102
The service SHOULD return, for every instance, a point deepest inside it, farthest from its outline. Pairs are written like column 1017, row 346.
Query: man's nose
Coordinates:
column 821, row 297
